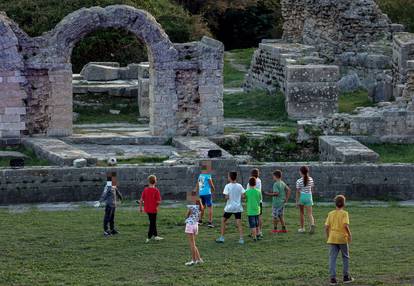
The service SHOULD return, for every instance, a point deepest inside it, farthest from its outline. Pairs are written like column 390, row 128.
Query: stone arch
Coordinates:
column 161, row 52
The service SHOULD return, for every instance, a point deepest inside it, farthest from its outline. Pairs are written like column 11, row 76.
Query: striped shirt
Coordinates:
column 305, row 189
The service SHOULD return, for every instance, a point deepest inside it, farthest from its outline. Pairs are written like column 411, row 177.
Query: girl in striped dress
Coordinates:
column 304, row 190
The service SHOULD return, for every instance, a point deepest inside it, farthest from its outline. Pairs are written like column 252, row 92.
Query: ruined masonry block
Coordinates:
column 92, row 72
column 345, row 150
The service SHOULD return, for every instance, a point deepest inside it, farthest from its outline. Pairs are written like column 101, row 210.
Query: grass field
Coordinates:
column 67, row 248
column 235, row 61
column 349, row 101
column 394, row 153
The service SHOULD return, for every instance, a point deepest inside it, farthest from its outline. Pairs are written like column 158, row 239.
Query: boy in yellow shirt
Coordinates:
column 339, row 235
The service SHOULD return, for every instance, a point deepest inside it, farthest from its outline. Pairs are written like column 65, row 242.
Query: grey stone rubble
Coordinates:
column 69, row 184
column 186, row 79
column 345, row 149
column 12, row 155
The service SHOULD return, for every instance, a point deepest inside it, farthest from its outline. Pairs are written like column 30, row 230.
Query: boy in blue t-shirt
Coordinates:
column 205, row 189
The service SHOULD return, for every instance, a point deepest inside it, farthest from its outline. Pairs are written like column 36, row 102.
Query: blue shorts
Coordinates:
column 207, row 200
column 253, row 221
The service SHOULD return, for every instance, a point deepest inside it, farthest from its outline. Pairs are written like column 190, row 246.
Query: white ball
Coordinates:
column 112, row 161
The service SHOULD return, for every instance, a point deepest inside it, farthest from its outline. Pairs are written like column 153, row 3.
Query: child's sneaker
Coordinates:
column 312, row 229
column 275, row 231
column 147, row 240
column 201, row 261
column 348, row 279
column 260, row 235
column 158, row 238
column 333, row 282
column 210, row 225
column 107, row 233
column 200, row 222
column 241, row 241
column 114, row 232
column 301, row 230
column 283, row 231
column 190, row 263
column 220, row 239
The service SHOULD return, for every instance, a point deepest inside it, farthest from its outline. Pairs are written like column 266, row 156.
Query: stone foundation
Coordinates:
column 36, row 73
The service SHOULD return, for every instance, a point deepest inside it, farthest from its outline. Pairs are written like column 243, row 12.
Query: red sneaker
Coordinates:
column 275, row 231
column 283, row 231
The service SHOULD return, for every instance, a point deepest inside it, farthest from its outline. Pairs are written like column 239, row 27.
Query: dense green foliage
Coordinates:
column 67, row 248
column 399, row 11
column 394, row 153
column 36, row 17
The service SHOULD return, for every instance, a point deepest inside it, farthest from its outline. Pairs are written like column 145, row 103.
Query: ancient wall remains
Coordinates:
column 63, row 184
column 38, row 69
column 403, row 51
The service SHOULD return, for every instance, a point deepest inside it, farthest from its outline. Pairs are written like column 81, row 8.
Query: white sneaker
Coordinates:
column 147, row 240
column 191, row 263
column 158, row 238
column 201, row 261
column 301, row 230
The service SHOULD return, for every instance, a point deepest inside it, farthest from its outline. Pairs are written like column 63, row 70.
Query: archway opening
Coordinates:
column 110, row 78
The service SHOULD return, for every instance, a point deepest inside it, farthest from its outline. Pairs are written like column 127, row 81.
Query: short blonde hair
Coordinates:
column 152, row 179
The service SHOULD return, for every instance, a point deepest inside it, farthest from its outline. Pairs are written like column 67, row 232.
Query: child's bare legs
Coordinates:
column 302, row 216
column 260, row 225
column 275, row 222
column 282, row 221
column 223, row 226
column 254, row 232
column 310, row 215
column 240, row 227
column 195, row 254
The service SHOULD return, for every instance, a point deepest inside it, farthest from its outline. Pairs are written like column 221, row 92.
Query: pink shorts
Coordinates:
column 191, row 228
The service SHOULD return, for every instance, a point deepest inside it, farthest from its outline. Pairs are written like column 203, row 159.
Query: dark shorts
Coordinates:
column 228, row 215
column 253, row 221
column 207, row 200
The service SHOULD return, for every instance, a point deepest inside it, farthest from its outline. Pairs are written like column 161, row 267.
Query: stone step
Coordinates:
column 199, row 145
column 56, row 151
column 345, row 149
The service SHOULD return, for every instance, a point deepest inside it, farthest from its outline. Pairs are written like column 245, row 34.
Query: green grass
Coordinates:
column 67, row 248
column 394, row 153
column 31, row 161
column 232, row 76
column 100, row 114
column 351, row 100
column 255, row 105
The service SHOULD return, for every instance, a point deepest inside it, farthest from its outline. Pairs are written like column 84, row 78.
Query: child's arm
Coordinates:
column 188, row 213
column 327, row 231
column 288, row 192
column 213, row 189
column 297, row 197
column 118, row 193
column 348, row 230
column 141, row 202
column 197, row 188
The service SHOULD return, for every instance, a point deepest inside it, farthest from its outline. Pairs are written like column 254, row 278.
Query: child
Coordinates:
column 304, row 190
column 151, row 198
column 205, row 189
column 339, row 235
column 191, row 229
column 109, row 196
column 233, row 193
column 255, row 174
column 280, row 196
column 253, row 199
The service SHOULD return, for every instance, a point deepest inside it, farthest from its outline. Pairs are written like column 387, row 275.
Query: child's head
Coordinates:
column 111, row 178
column 252, row 182
column 205, row 167
column 277, row 175
column 152, row 179
column 255, row 173
column 198, row 202
column 304, row 171
column 108, row 180
column 232, row 176
column 340, row 201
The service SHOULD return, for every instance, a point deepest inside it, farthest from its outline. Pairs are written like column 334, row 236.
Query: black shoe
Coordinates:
column 333, row 281
column 348, row 279
column 210, row 225
column 200, row 222
column 107, row 233
column 114, row 232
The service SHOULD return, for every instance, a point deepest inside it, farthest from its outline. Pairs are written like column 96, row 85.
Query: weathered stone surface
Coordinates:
column 349, row 83
column 94, row 72
column 79, row 163
column 12, row 155
column 38, row 77
column 345, row 149
column 403, row 52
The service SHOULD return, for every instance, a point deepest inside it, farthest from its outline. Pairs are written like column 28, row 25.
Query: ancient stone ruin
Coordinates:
column 185, row 80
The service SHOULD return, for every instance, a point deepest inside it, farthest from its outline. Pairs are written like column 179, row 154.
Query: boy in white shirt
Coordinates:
column 233, row 192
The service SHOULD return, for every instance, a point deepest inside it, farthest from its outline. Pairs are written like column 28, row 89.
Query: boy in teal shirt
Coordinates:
column 253, row 199
column 280, row 195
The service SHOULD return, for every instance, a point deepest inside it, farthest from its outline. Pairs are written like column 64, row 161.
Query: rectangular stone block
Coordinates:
column 15, row 110
column 312, row 73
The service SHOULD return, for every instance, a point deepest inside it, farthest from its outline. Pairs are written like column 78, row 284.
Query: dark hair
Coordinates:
column 277, row 174
column 305, row 172
column 340, row 201
column 252, row 181
column 233, row 176
column 109, row 179
column 152, row 179
column 255, row 173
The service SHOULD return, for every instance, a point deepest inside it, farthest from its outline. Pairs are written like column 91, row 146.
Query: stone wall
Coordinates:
column 333, row 26
column 362, row 181
column 403, row 51
column 40, row 67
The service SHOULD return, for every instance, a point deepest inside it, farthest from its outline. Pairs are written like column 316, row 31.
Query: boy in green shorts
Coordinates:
column 253, row 199
column 280, row 195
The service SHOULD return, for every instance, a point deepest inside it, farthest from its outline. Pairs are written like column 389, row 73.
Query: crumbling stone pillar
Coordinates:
column 403, row 51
